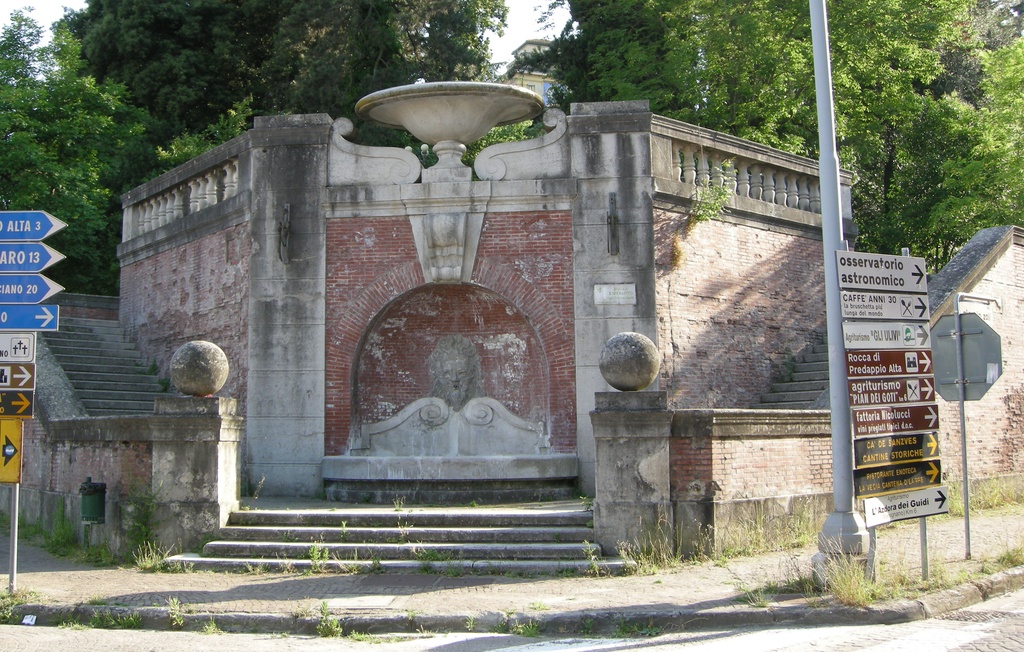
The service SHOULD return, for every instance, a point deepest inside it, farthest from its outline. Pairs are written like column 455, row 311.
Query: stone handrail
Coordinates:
column 209, row 179
column 698, row 157
column 209, row 187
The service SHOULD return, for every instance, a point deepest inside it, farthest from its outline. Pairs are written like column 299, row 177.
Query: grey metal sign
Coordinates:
column 982, row 356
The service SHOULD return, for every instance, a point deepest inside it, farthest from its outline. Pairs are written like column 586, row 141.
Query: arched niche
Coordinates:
column 397, row 409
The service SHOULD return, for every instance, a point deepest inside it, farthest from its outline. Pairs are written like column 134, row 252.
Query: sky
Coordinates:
column 522, row 21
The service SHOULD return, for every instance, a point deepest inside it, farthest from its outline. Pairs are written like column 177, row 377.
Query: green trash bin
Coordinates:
column 94, row 501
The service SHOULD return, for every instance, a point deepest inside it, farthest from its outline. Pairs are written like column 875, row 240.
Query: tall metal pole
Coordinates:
column 12, row 577
column 843, row 531
column 961, row 383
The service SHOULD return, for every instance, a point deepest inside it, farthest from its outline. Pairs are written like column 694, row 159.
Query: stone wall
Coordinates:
column 185, row 458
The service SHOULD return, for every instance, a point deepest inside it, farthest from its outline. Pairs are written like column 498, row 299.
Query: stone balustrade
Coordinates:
column 695, row 157
column 208, row 188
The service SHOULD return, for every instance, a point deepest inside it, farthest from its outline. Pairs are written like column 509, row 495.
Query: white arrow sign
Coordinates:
column 898, row 507
column 886, row 335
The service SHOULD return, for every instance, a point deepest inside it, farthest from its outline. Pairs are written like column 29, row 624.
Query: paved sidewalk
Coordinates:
column 705, row 595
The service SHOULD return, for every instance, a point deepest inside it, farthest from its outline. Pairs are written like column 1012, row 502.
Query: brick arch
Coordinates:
column 362, row 283
column 391, row 364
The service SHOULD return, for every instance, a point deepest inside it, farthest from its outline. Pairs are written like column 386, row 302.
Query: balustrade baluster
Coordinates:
column 703, row 174
column 804, row 196
column 781, row 194
column 194, row 188
column 768, row 189
column 756, row 181
column 743, row 179
column 689, row 167
column 792, row 193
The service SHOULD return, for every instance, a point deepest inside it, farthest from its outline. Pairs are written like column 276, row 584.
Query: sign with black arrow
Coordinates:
column 10, row 436
column 896, row 478
column 899, row 507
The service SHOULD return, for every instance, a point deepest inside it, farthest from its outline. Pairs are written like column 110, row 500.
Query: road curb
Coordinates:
column 620, row 622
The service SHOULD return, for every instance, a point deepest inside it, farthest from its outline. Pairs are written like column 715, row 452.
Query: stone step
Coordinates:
column 806, row 367
column 410, row 551
column 790, row 397
column 804, row 376
column 592, row 566
column 102, row 364
column 801, row 386
column 533, row 538
column 346, row 534
column 415, row 517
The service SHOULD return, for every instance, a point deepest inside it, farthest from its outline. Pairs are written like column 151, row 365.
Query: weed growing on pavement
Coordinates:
column 759, row 597
column 538, row 606
column 255, row 569
column 70, row 622
column 470, row 623
column 654, row 550
column 328, row 626
column 176, row 613
column 62, row 539
column 630, row 629
column 149, row 557
column 178, row 567
column 211, row 627
column 8, row 601
column 586, row 627
column 1011, row 557
column 318, row 557
column 985, row 493
column 114, row 620
column 97, row 601
column 140, row 515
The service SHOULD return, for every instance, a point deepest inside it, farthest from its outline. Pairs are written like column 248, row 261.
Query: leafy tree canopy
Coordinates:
column 61, row 136
column 902, row 69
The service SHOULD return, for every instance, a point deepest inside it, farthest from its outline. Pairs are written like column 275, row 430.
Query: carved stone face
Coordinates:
column 455, row 371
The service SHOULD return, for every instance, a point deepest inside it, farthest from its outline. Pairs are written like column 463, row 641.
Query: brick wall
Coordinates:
column 734, row 302
column 736, row 455
column 995, row 424
column 382, row 321
column 198, row 290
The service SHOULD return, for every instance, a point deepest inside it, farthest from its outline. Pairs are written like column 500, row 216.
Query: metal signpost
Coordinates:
column 968, row 360
column 22, row 257
column 891, row 389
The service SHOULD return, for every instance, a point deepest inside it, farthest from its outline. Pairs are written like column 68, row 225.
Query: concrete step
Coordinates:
column 804, row 376
column 808, row 367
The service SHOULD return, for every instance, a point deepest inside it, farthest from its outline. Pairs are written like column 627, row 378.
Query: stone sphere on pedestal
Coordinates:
column 630, row 362
column 199, row 368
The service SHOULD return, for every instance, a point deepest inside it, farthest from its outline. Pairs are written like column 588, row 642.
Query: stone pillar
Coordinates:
column 633, row 501
column 195, row 466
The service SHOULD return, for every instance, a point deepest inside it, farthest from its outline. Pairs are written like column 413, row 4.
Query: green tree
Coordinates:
column 745, row 67
column 61, row 135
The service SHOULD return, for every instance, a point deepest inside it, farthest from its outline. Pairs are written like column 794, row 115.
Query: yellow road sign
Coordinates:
column 10, row 444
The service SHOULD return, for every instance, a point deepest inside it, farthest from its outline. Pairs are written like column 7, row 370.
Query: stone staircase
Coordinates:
column 536, row 538
column 107, row 371
column 803, row 387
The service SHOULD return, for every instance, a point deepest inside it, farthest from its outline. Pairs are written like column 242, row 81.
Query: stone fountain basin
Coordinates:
column 455, row 111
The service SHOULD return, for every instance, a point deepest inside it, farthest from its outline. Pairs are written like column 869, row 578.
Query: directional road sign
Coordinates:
column 894, row 420
column 888, row 363
column 28, row 226
column 16, row 403
column 896, row 478
column 892, row 449
column 899, row 507
column 881, row 272
column 10, row 447
column 26, row 288
column 862, row 304
column 15, row 317
column 17, row 347
column 983, row 357
column 890, row 391
column 18, row 376
column 886, row 335
column 27, row 257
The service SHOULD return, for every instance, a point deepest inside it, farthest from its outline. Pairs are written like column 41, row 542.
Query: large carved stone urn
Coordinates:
column 449, row 115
